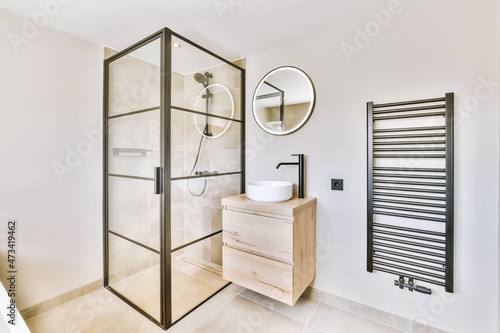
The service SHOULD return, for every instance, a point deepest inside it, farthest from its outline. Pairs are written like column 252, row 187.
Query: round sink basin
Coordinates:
column 269, row 191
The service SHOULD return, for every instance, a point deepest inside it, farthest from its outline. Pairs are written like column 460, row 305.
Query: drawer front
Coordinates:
column 266, row 276
column 266, row 236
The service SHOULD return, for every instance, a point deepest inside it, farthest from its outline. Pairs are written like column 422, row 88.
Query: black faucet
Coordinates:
column 300, row 163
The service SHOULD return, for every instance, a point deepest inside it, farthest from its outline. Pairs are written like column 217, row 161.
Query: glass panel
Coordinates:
column 134, row 144
column 196, row 274
column 135, row 273
column 134, row 210
column 134, row 80
column 199, row 214
column 193, row 153
column 196, row 74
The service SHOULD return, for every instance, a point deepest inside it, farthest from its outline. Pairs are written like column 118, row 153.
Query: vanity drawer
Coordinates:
column 266, row 276
column 267, row 236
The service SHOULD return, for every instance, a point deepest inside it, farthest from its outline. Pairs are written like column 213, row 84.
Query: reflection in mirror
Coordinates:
column 283, row 100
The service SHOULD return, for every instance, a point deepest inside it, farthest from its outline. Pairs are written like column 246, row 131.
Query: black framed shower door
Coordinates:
column 155, row 233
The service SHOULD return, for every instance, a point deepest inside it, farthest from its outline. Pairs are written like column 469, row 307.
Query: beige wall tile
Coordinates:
column 135, row 225
column 129, row 196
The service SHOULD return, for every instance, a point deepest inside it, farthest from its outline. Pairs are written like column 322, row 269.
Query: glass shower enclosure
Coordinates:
column 173, row 147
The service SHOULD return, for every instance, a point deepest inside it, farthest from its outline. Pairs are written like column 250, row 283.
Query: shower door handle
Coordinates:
column 158, row 180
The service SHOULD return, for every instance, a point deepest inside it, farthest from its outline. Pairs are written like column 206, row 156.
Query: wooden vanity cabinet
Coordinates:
column 270, row 248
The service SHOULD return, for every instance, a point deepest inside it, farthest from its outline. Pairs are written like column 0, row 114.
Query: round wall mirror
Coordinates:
column 283, row 100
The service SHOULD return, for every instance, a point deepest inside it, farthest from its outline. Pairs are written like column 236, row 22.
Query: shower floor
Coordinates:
column 193, row 281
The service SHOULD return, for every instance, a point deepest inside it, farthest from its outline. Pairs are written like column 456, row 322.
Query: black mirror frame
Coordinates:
column 309, row 112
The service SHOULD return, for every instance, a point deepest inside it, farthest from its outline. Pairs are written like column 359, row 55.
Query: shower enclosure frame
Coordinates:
column 163, row 178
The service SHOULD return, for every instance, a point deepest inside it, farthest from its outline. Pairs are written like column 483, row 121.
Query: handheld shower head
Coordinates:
column 200, row 78
column 203, row 78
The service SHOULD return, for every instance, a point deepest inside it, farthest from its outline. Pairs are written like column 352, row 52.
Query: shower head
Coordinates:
column 203, row 78
column 200, row 78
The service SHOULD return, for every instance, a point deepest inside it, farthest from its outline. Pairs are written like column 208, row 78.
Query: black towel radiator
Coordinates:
column 410, row 191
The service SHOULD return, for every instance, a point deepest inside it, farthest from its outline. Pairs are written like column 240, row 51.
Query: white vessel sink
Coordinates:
column 269, row 191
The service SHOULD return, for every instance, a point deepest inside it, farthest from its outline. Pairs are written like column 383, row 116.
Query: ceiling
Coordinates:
column 231, row 28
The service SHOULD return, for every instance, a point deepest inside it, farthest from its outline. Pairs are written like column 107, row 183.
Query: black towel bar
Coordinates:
column 410, row 186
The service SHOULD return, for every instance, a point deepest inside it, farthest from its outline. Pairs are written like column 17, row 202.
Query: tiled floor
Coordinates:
column 234, row 309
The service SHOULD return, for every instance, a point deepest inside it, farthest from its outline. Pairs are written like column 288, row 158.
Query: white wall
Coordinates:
column 50, row 93
column 427, row 49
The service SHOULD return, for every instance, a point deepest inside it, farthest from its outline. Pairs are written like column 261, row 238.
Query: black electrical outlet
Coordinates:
column 337, row 184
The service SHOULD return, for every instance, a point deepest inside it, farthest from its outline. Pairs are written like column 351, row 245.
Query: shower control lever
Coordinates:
column 205, row 173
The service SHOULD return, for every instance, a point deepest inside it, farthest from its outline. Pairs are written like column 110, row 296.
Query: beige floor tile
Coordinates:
column 188, row 293
column 215, row 279
column 127, row 320
column 202, row 313
column 369, row 312
column 234, row 288
column 242, row 315
column 78, row 314
column 421, row 328
column 333, row 320
column 301, row 311
column 309, row 329
column 143, row 289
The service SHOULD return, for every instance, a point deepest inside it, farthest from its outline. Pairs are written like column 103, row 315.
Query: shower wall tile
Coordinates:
column 127, row 260
column 225, row 160
column 178, row 191
column 108, row 52
column 135, row 225
column 236, row 93
column 130, row 70
column 177, row 163
column 135, row 85
column 230, row 139
column 193, row 137
column 154, row 258
column 216, row 249
column 193, row 189
column 192, row 88
column 154, row 222
column 177, row 217
column 197, row 217
column 177, row 238
column 140, row 132
column 154, row 199
column 154, row 130
column 215, row 219
column 190, row 104
column 202, row 165
column 177, row 89
column 227, row 75
column 177, row 137
column 192, row 235
column 240, row 62
column 177, row 117
column 129, row 196
column 155, row 83
column 223, row 187
column 131, row 165
column 130, row 132
column 200, row 250
column 123, row 98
